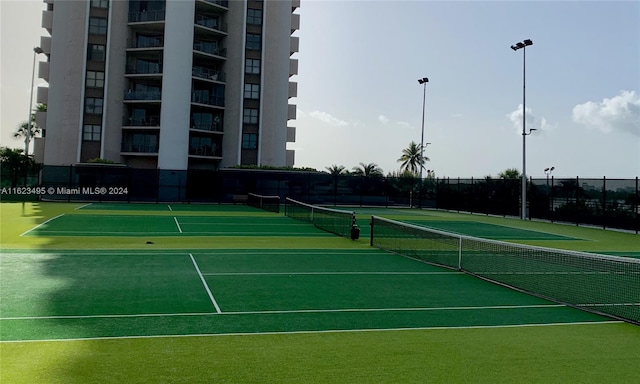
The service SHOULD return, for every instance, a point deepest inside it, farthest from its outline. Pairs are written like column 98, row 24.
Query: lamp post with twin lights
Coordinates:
column 522, row 45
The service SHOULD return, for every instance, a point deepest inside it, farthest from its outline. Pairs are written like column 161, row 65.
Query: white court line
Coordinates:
column 169, row 206
column 213, row 300
column 178, row 224
column 280, row 312
column 535, row 325
column 330, row 273
column 83, row 206
column 41, row 224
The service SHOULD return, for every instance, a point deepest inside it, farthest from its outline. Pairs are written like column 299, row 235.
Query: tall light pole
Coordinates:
column 27, row 134
column 423, row 81
column 515, row 47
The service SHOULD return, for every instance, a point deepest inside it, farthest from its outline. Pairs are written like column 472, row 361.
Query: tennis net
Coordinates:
column 268, row 203
column 331, row 220
column 607, row 285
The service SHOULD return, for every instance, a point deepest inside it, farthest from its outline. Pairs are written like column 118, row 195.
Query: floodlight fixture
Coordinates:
column 423, row 80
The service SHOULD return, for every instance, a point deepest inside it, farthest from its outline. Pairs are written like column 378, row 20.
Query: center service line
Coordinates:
column 178, row 224
column 213, row 300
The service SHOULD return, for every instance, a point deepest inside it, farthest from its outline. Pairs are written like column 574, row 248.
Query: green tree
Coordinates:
column 510, row 173
column 14, row 164
column 368, row 170
column 337, row 170
column 412, row 159
column 32, row 128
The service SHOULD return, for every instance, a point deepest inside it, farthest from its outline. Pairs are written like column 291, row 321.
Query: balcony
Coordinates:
column 295, row 22
column 206, row 98
column 210, row 48
column 222, row 3
column 205, row 151
column 208, row 74
column 143, row 95
column 47, row 20
column 144, row 68
column 147, row 121
column 295, row 45
column 211, row 23
column 43, row 70
column 140, row 148
column 42, row 96
column 293, row 67
column 146, row 16
column 293, row 89
column 291, row 134
column 149, row 42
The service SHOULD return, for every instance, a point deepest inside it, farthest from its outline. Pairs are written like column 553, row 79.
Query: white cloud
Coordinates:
column 620, row 113
column 403, row 124
column 383, row 119
column 327, row 118
column 531, row 121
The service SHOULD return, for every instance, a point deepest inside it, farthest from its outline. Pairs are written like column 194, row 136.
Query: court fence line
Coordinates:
column 605, row 202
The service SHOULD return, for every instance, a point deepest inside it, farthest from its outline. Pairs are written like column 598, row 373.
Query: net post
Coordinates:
column 460, row 253
column 371, row 232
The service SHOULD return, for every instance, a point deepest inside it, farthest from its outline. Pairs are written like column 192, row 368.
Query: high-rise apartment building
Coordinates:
column 169, row 84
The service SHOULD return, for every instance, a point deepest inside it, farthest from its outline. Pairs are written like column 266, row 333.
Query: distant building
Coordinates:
column 169, row 84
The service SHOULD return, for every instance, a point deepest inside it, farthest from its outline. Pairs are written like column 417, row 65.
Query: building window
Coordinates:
column 249, row 141
column 250, row 116
column 96, row 52
column 91, row 132
column 252, row 91
column 254, row 42
column 254, row 16
column 97, row 26
column 95, row 79
column 252, row 66
column 100, row 3
column 93, row 105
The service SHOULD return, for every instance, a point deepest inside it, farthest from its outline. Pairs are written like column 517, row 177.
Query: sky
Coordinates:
column 359, row 100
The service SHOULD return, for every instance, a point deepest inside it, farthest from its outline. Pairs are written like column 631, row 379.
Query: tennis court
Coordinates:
column 276, row 275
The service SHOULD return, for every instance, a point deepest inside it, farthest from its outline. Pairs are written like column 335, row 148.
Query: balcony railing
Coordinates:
column 142, row 68
column 222, row 3
column 211, row 127
column 136, row 17
column 205, row 151
column 140, row 148
column 142, row 95
column 211, row 23
column 210, row 48
column 204, row 98
column 209, row 74
column 149, row 42
column 147, row 121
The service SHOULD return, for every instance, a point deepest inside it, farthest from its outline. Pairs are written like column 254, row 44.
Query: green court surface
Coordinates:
column 137, row 293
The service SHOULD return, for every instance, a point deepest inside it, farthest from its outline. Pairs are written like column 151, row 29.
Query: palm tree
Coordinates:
column 32, row 128
column 412, row 159
column 368, row 170
column 337, row 169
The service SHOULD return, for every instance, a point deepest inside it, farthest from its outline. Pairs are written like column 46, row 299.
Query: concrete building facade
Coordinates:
column 169, row 84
